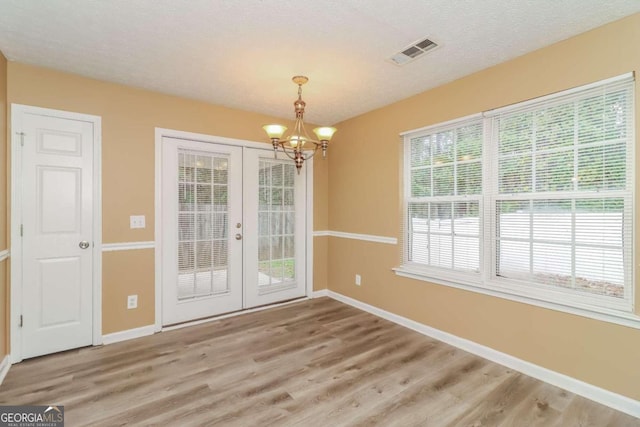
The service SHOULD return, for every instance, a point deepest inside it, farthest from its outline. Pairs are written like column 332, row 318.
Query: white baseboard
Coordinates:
column 129, row 334
column 600, row 395
column 4, row 368
column 320, row 293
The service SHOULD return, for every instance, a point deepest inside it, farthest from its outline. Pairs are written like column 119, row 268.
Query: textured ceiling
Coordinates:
column 242, row 53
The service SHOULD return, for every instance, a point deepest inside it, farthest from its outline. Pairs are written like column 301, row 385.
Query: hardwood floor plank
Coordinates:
column 312, row 363
column 425, row 395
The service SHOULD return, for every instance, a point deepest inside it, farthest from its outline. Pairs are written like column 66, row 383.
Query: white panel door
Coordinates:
column 275, row 222
column 57, row 218
column 201, row 216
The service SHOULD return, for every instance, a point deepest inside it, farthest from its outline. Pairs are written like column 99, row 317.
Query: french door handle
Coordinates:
column 84, row 244
column 238, row 236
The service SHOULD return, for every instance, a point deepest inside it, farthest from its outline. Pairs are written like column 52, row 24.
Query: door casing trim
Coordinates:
column 200, row 137
column 16, row 212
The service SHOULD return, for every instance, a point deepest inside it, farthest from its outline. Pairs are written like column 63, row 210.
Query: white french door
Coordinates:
column 274, row 206
column 233, row 229
column 201, row 259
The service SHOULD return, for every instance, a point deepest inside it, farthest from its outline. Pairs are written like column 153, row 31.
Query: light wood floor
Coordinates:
column 313, row 363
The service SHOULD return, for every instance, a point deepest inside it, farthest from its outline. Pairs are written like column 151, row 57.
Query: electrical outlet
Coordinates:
column 358, row 280
column 132, row 302
column 136, row 221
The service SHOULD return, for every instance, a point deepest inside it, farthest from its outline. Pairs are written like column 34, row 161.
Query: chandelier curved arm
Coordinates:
column 285, row 151
column 316, row 144
column 307, row 154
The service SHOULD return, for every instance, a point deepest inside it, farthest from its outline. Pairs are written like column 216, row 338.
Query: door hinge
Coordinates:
column 21, row 230
column 21, row 138
column 20, row 325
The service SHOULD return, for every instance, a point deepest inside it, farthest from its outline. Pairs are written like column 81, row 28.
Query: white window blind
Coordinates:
column 442, row 224
column 553, row 219
column 562, row 211
column 203, row 224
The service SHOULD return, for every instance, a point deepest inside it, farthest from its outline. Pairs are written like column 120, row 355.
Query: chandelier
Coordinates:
column 298, row 146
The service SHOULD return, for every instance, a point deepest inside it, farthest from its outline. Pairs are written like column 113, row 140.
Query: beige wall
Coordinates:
column 4, row 291
column 129, row 117
column 364, row 189
column 123, row 271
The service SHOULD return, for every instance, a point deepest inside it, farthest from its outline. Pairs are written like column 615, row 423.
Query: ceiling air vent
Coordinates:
column 413, row 51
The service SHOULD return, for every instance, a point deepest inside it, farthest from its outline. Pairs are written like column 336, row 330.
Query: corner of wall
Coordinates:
column 320, row 222
column 4, row 211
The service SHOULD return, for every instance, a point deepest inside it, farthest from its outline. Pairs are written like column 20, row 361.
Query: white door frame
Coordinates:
column 200, row 137
column 16, row 214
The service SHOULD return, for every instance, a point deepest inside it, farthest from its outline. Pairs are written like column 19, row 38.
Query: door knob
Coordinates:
column 84, row 244
column 238, row 236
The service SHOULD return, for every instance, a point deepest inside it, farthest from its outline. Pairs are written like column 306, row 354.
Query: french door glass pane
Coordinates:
column 202, row 224
column 276, row 222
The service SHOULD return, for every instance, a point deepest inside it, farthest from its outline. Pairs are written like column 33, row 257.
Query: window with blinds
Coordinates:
column 563, row 207
column 553, row 218
column 443, row 198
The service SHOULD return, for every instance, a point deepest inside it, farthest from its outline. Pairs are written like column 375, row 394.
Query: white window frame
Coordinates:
column 612, row 309
column 461, row 276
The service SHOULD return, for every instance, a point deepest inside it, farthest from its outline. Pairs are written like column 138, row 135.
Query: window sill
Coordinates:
column 606, row 315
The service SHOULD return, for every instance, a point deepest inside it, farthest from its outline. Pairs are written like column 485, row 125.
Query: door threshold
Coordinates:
column 231, row 314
